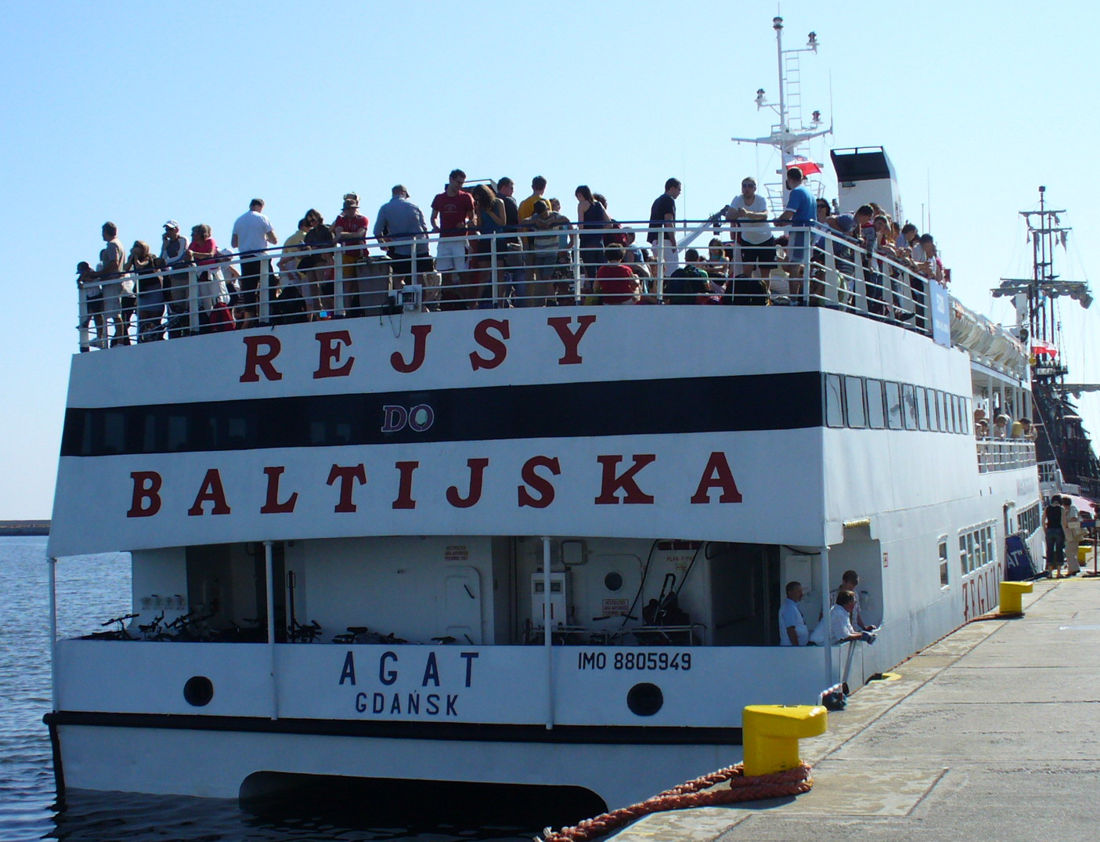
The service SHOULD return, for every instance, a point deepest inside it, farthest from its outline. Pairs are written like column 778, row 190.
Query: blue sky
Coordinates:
column 138, row 113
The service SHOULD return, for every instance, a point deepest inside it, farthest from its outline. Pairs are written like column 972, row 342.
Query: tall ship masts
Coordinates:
column 1062, row 437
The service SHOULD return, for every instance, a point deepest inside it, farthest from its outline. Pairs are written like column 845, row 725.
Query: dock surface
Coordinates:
column 991, row 733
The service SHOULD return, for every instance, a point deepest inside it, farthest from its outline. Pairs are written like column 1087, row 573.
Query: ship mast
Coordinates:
column 1063, row 438
column 789, row 135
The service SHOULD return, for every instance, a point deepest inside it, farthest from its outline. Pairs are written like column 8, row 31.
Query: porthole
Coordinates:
column 613, row 581
column 198, row 691
column 645, row 699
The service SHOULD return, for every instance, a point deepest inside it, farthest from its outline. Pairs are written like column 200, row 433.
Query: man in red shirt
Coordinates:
column 350, row 232
column 452, row 216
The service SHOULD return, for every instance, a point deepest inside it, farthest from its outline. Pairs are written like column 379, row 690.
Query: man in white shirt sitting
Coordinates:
column 840, row 619
column 792, row 626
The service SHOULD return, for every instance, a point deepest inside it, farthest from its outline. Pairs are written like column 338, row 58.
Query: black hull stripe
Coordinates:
column 611, row 408
column 467, row 732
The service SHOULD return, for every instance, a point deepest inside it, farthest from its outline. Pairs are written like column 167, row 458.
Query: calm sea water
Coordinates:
column 91, row 589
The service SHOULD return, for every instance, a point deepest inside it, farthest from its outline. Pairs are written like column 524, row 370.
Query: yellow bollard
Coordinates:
column 770, row 734
column 1012, row 596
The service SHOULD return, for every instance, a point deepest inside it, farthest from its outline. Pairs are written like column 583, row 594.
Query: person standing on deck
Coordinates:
column 510, row 251
column 792, row 625
column 453, row 216
column 748, row 212
column 662, row 215
column 801, row 211
column 252, row 233
column 400, row 219
column 350, row 231
column 1055, row 536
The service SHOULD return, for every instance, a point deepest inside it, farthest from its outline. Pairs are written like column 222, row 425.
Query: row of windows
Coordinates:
column 976, row 548
column 1027, row 521
column 865, row 402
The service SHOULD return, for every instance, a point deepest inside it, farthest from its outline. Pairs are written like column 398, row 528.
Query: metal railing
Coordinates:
column 816, row 267
column 994, row 455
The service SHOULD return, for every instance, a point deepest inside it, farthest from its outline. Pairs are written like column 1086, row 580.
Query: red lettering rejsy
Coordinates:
column 334, row 358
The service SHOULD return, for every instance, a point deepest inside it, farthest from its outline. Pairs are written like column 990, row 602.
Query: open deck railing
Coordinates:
column 995, row 455
column 820, row 267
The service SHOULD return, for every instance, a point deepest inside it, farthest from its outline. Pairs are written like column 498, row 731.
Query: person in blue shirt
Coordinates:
column 801, row 211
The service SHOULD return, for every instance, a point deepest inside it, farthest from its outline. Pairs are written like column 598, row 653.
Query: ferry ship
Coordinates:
column 542, row 546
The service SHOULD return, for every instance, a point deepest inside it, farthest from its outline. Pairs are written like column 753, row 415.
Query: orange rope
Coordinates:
column 700, row 792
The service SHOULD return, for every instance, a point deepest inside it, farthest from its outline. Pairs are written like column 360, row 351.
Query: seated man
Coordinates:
column 840, row 620
column 837, row 624
column 688, row 284
column 792, row 626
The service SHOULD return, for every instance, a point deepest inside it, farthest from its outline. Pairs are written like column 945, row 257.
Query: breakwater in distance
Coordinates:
column 20, row 528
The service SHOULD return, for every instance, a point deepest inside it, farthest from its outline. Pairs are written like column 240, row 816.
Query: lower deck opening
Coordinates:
column 417, row 804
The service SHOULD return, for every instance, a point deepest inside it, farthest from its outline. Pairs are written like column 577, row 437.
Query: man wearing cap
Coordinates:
column 452, row 216
column 350, row 231
column 399, row 219
column 252, row 233
column 173, row 251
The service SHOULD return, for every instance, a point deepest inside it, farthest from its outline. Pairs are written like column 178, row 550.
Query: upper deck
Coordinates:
column 573, row 419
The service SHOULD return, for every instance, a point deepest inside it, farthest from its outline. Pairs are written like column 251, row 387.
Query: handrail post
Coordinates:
column 493, row 270
column 83, row 336
column 193, row 299
column 575, row 254
column 265, row 291
column 807, row 262
column 338, row 282
column 660, row 279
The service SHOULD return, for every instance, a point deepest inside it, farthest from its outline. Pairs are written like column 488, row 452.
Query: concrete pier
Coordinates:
column 991, row 733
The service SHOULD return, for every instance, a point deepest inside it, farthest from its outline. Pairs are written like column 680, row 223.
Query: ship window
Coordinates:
column 149, row 434
column 853, row 400
column 893, row 405
column 941, row 411
column 922, row 408
column 236, row 432
column 909, row 406
column 962, row 555
column 876, row 418
column 942, row 550
column 964, row 415
column 177, row 432
column 316, row 432
column 834, row 407
column 954, row 400
column 114, row 432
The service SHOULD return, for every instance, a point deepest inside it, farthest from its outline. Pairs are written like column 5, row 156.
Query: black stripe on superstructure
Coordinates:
column 463, row 731
column 555, row 410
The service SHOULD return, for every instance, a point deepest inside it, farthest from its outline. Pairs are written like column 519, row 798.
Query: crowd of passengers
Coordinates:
column 146, row 293
column 1003, row 426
